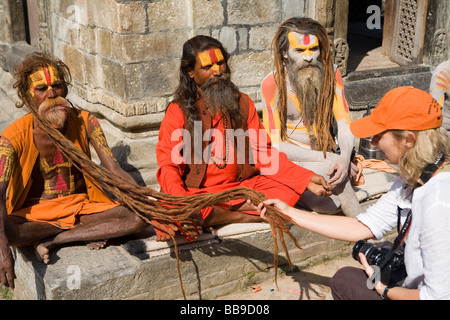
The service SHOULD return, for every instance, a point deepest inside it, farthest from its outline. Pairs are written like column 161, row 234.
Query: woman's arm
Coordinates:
column 335, row 227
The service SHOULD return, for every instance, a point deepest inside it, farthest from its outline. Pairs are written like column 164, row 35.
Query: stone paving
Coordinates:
column 308, row 284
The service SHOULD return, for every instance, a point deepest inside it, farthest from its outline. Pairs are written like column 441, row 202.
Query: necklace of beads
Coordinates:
column 225, row 159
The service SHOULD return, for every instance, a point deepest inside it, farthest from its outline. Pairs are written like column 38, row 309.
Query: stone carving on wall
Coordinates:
column 340, row 54
column 440, row 47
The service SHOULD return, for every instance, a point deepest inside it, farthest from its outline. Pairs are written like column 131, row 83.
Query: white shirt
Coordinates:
column 427, row 252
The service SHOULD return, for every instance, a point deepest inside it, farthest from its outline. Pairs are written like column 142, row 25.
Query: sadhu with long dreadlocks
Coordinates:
column 43, row 195
column 303, row 100
column 212, row 140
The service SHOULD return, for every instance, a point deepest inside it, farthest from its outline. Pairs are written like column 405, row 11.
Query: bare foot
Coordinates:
column 42, row 253
column 164, row 230
column 191, row 230
column 96, row 245
column 210, row 229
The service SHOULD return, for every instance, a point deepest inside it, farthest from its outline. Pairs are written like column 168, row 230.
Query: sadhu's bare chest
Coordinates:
column 53, row 175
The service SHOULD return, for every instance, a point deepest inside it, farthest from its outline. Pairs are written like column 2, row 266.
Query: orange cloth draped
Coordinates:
column 61, row 212
column 375, row 164
column 287, row 181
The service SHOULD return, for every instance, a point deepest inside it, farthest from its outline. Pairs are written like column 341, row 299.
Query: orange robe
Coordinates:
column 287, row 182
column 20, row 134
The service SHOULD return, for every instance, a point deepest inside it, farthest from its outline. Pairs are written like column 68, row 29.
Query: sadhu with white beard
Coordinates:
column 196, row 157
column 303, row 100
column 44, row 199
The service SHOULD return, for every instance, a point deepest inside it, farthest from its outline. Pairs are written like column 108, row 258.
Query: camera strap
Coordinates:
column 430, row 169
column 400, row 237
column 405, row 228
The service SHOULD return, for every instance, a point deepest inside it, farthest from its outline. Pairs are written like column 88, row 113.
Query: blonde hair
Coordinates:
column 429, row 144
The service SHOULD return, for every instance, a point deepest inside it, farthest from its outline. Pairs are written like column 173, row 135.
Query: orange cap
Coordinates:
column 403, row 108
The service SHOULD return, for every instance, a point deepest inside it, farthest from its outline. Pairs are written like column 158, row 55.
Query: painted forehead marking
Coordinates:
column 210, row 57
column 47, row 75
column 302, row 41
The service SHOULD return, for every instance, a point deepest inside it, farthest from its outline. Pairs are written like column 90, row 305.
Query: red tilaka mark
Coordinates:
column 213, row 56
column 306, row 40
column 58, row 158
column 47, row 75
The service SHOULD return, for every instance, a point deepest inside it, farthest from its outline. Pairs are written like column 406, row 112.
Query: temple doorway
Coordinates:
column 366, row 25
column 377, row 34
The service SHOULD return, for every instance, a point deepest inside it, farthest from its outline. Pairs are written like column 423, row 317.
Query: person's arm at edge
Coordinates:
column 7, row 275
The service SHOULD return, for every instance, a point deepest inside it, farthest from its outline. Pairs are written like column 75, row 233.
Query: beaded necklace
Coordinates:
column 225, row 159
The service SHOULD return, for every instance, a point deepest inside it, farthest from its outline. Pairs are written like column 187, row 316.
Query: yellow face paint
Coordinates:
column 43, row 78
column 210, row 57
column 305, row 42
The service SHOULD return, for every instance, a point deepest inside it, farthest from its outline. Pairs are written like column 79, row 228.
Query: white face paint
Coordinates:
column 303, row 49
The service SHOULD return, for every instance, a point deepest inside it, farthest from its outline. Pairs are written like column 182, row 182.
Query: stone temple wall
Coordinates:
column 124, row 58
column 124, row 54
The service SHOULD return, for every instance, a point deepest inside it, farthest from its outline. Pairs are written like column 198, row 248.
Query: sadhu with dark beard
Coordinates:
column 44, row 199
column 303, row 102
column 212, row 140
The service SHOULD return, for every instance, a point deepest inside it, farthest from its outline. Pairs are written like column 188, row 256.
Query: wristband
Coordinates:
column 385, row 292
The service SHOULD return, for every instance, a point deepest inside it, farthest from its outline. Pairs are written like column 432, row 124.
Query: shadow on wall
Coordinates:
column 122, row 153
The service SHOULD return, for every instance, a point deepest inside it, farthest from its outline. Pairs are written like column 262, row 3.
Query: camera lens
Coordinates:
column 367, row 249
column 357, row 248
column 364, row 247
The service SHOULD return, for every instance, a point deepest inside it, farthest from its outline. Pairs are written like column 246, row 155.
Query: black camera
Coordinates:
column 391, row 263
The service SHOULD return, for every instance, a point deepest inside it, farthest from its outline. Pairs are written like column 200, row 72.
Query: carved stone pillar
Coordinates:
column 341, row 47
column 325, row 12
column 333, row 15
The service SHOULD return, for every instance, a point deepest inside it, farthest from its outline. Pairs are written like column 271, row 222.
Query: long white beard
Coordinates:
column 307, row 85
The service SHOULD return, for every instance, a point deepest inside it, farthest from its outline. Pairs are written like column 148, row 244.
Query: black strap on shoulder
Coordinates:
column 430, row 169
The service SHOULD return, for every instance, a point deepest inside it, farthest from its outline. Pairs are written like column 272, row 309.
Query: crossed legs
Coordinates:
column 112, row 223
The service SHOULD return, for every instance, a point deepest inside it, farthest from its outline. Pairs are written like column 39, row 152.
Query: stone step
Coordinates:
column 138, row 267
